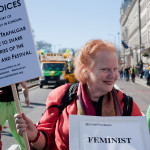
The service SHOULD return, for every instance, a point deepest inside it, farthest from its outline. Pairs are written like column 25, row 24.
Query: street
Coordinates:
column 38, row 98
column 139, row 93
column 34, row 112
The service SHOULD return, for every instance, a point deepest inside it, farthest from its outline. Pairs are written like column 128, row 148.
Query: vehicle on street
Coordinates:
column 56, row 70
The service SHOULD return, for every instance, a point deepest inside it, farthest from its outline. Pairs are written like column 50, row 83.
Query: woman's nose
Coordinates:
column 111, row 73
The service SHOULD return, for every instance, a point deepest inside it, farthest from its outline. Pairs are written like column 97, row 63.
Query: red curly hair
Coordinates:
column 87, row 55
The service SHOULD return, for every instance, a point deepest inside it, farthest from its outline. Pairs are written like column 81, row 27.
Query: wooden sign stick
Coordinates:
column 18, row 108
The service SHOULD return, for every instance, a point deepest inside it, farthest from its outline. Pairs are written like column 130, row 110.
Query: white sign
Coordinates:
column 108, row 133
column 18, row 56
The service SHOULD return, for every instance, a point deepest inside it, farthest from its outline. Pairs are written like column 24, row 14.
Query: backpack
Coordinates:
column 70, row 95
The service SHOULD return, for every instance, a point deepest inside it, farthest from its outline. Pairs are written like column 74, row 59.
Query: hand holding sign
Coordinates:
column 19, row 111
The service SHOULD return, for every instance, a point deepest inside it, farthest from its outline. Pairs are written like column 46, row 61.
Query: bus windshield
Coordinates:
column 54, row 66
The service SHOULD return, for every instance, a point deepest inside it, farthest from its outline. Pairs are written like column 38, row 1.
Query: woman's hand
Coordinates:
column 23, row 123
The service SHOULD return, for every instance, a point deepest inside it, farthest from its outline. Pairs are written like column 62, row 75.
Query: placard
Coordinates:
column 18, row 55
column 108, row 133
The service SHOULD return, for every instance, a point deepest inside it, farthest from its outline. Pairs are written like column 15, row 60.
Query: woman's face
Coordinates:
column 104, row 73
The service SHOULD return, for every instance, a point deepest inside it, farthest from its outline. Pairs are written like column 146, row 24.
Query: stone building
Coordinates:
column 135, row 28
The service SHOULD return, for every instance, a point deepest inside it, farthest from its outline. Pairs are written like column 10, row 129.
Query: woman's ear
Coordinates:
column 85, row 72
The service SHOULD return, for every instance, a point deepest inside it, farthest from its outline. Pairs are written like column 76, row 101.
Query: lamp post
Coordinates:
column 140, row 40
column 118, row 40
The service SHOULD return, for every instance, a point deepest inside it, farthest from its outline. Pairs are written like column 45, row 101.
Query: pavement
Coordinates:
column 142, row 81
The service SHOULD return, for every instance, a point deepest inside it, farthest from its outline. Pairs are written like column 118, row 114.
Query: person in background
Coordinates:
column 96, row 69
column 144, row 70
column 8, row 109
column 147, row 75
column 141, row 69
column 138, row 69
column 121, row 73
column 126, row 71
column 133, row 73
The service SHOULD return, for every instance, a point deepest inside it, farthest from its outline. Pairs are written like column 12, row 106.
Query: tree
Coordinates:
column 44, row 45
column 145, row 54
column 62, row 50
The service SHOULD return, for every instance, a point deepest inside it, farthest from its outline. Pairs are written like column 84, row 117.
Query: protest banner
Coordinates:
column 18, row 55
column 108, row 133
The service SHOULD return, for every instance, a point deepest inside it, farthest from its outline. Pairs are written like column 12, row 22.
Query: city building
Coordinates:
column 135, row 28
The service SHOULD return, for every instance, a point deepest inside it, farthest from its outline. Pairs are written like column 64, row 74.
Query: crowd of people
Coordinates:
column 127, row 72
column 130, row 72
column 96, row 69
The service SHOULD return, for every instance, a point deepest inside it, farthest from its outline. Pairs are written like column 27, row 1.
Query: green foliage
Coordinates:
column 44, row 45
column 145, row 54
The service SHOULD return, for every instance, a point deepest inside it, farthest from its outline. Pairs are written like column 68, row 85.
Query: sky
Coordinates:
column 72, row 23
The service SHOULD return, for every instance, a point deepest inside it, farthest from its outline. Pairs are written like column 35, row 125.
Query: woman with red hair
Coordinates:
column 96, row 69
